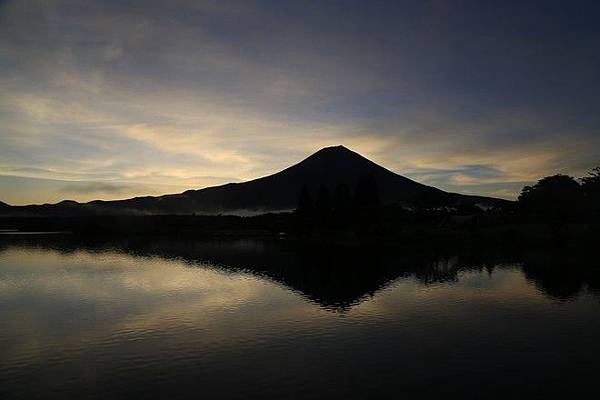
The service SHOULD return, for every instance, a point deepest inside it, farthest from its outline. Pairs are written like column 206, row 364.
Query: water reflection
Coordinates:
column 340, row 277
column 261, row 319
column 563, row 276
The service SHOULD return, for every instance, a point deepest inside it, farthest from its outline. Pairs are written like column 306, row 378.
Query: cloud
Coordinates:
column 95, row 187
column 197, row 94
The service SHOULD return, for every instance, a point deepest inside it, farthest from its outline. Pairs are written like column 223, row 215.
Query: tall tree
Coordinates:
column 323, row 203
column 591, row 190
column 366, row 200
column 323, row 207
column 305, row 202
column 367, row 193
column 554, row 197
column 591, row 183
column 343, row 198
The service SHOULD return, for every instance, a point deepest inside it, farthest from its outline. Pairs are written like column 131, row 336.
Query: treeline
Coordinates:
column 554, row 201
column 346, row 207
column 347, row 211
column 561, row 199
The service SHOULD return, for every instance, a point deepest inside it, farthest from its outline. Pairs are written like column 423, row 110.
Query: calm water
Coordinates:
column 250, row 319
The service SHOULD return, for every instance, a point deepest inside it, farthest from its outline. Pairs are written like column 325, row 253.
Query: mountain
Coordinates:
column 4, row 206
column 328, row 167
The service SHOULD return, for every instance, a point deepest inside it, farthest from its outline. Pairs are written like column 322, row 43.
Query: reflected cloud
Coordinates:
column 165, row 299
column 134, row 295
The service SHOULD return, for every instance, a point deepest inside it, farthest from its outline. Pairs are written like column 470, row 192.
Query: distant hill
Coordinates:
column 328, row 167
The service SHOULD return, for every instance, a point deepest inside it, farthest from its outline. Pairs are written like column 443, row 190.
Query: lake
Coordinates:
column 237, row 319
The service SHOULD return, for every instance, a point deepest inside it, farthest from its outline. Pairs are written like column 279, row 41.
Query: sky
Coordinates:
column 112, row 99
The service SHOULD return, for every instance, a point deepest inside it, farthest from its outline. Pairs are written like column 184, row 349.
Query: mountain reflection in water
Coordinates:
column 250, row 318
column 339, row 277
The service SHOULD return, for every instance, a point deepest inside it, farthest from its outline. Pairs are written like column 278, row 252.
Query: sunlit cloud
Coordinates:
column 199, row 94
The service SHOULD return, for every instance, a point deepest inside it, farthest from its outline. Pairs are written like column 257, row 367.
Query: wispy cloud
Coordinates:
column 201, row 93
column 95, row 187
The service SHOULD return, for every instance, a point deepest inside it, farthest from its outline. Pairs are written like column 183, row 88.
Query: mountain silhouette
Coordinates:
column 328, row 167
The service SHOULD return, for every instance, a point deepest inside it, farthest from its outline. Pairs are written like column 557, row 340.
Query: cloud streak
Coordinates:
column 95, row 187
column 469, row 98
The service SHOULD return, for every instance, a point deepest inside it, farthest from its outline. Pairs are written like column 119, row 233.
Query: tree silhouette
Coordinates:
column 323, row 207
column 343, row 198
column 367, row 194
column 590, row 186
column 305, row 211
column 554, row 198
column 323, row 203
column 591, row 183
column 366, row 202
column 305, row 202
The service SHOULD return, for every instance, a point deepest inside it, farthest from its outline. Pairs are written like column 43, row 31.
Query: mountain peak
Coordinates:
column 335, row 152
column 334, row 149
column 330, row 168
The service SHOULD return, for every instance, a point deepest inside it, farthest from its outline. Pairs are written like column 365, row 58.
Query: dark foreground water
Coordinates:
column 249, row 319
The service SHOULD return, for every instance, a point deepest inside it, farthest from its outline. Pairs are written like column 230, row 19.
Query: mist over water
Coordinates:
column 254, row 319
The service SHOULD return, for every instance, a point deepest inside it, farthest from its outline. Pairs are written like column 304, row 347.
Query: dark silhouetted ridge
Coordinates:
column 328, row 168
